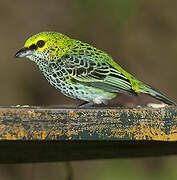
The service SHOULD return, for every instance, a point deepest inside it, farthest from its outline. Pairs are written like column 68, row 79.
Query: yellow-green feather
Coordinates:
column 57, row 45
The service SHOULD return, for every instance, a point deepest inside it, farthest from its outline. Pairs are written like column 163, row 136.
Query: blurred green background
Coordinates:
column 140, row 35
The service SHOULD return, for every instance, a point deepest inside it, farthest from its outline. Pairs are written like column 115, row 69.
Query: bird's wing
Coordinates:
column 96, row 73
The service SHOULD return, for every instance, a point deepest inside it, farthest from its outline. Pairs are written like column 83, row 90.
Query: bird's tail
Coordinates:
column 154, row 93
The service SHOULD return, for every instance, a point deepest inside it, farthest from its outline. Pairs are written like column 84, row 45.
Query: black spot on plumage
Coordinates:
column 60, row 62
column 76, row 60
column 89, row 48
column 92, row 63
column 87, row 53
column 69, row 66
column 54, row 75
column 120, row 77
column 102, row 71
column 97, row 75
column 58, row 80
column 48, row 79
column 67, row 56
column 69, row 70
column 90, row 69
column 96, row 53
column 81, row 70
column 74, row 50
column 74, row 81
column 58, row 73
column 104, row 64
column 82, row 62
column 81, row 52
column 63, row 71
column 53, row 65
column 99, row 65
column 74, row 72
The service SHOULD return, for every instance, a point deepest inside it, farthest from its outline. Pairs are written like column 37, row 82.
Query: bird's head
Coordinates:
column 47, row 46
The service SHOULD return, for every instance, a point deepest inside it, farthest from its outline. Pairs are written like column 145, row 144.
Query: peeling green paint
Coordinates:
column 34, row 123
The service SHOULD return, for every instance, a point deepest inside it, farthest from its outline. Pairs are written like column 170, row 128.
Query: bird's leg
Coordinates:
column 86, row 105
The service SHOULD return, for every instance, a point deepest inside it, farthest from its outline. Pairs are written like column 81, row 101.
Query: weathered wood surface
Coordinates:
column 38, row 134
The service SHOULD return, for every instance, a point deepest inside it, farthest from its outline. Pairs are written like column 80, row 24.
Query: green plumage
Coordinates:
column 81, row 71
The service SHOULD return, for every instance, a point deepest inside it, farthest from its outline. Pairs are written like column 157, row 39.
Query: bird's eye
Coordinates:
column 33, row 47
column 40, row 43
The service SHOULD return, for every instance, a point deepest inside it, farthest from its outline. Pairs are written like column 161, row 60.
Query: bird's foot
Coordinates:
column 86, row 105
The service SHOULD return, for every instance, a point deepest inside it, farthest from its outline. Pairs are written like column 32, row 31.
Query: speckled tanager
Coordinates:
column 81, row 71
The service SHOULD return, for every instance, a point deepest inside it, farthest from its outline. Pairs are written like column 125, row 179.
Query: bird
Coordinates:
column 81, row 71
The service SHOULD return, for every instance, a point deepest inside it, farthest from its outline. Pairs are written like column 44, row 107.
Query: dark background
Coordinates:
column 140, row 35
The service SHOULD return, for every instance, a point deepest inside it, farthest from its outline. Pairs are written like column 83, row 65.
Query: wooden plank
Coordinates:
column 38, row 134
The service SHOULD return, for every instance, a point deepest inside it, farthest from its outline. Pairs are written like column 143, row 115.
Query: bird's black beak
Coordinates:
column 23, row 52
